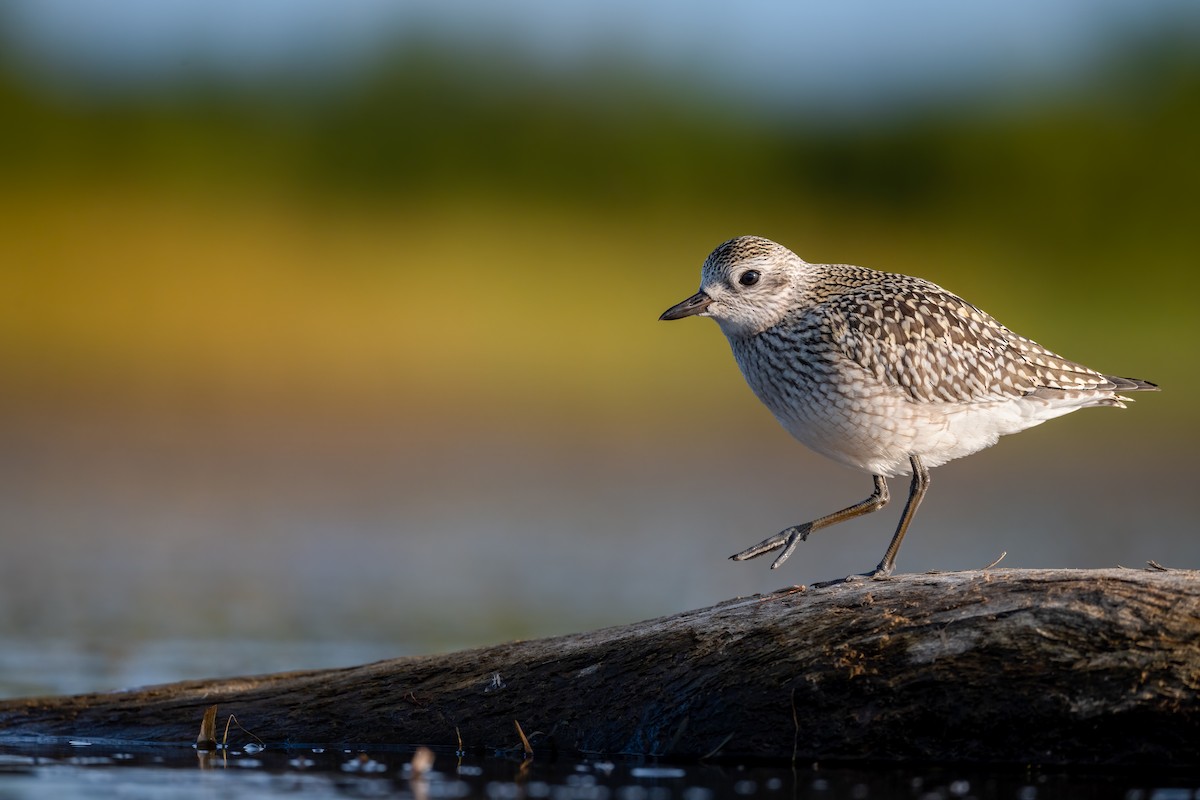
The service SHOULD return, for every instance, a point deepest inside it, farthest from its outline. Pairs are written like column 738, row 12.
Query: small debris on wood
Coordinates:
column 207, row 739
column 524, row 740
column 712, row 753
column 999, row 558
column 258, row 744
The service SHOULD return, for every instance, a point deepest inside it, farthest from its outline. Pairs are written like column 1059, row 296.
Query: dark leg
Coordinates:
column 916, row 491
column 789, row 538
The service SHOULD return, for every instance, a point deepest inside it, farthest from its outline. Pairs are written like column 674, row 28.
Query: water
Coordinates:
column 98, row 769
column 114, row 535
column 38, row 666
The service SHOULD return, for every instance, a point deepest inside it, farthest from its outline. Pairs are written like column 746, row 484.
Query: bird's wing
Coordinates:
column 937, row 347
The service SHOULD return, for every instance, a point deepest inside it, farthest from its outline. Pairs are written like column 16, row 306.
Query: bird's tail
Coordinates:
column 1129, row 385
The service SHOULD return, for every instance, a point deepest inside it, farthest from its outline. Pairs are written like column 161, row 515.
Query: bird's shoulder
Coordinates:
column 901, row 310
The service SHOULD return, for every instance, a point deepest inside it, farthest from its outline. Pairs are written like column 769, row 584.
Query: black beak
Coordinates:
column 688, row 308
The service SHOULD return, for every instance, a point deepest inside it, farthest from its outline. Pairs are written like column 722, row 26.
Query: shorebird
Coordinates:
column 885, row 373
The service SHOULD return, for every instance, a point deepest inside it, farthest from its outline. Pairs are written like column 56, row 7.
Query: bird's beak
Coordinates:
column 690, row 307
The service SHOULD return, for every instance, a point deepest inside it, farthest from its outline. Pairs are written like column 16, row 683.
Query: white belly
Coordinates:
column 879, row 434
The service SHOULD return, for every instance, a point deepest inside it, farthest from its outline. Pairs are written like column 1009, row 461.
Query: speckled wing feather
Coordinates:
column 937, row 347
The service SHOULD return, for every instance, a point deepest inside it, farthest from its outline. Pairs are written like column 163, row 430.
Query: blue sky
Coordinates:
column 850, row 52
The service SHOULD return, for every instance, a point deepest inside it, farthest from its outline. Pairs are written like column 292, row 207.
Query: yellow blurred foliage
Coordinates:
column 267, row 301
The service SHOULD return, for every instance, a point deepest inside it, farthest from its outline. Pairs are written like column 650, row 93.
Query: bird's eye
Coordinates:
column 749, row 278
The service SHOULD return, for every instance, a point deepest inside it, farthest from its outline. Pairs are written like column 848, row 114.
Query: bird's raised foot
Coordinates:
column 787, row 539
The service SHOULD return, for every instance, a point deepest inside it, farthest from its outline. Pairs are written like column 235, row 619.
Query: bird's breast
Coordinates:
column 837, row 408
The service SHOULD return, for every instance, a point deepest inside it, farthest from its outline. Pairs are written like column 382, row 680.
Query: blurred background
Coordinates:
column 328, row 332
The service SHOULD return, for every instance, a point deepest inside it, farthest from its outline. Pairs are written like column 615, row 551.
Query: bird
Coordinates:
column 884, row 373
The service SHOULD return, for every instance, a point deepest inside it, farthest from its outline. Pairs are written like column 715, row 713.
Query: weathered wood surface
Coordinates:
column 1098, row 666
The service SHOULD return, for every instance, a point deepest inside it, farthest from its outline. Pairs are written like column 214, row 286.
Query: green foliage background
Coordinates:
column 445, row 226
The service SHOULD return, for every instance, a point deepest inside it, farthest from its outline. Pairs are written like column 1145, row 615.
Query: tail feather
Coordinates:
column 1130, row 385
column 1099, row 394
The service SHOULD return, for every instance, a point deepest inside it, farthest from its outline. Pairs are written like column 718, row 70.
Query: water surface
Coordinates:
column 98, row 769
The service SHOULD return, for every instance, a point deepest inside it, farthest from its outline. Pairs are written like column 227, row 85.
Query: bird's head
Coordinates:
column 746, row 285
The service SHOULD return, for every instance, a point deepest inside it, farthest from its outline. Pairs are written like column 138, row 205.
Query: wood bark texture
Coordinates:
column 1046, row 666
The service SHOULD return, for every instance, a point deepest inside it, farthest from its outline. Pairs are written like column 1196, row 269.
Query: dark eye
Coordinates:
column 749, row 278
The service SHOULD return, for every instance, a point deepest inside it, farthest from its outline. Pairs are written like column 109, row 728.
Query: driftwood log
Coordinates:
column 1061, row 666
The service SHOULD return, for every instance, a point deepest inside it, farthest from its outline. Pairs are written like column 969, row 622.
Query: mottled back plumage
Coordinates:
column 937, row 347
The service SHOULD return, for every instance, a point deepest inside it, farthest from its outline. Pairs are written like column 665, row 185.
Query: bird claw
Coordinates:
column 787, row 539
column 765, row 546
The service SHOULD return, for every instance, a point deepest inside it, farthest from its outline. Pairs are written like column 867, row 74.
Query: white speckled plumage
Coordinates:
column 885, row 373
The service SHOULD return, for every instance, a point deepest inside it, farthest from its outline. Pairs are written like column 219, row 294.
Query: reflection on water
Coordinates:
column 97, row 769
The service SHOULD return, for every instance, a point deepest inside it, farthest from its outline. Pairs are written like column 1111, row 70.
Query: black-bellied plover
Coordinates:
column 885, row 373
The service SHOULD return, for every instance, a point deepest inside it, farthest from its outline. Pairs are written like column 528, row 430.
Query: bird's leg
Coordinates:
column 789, row 538
column 916, row 492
